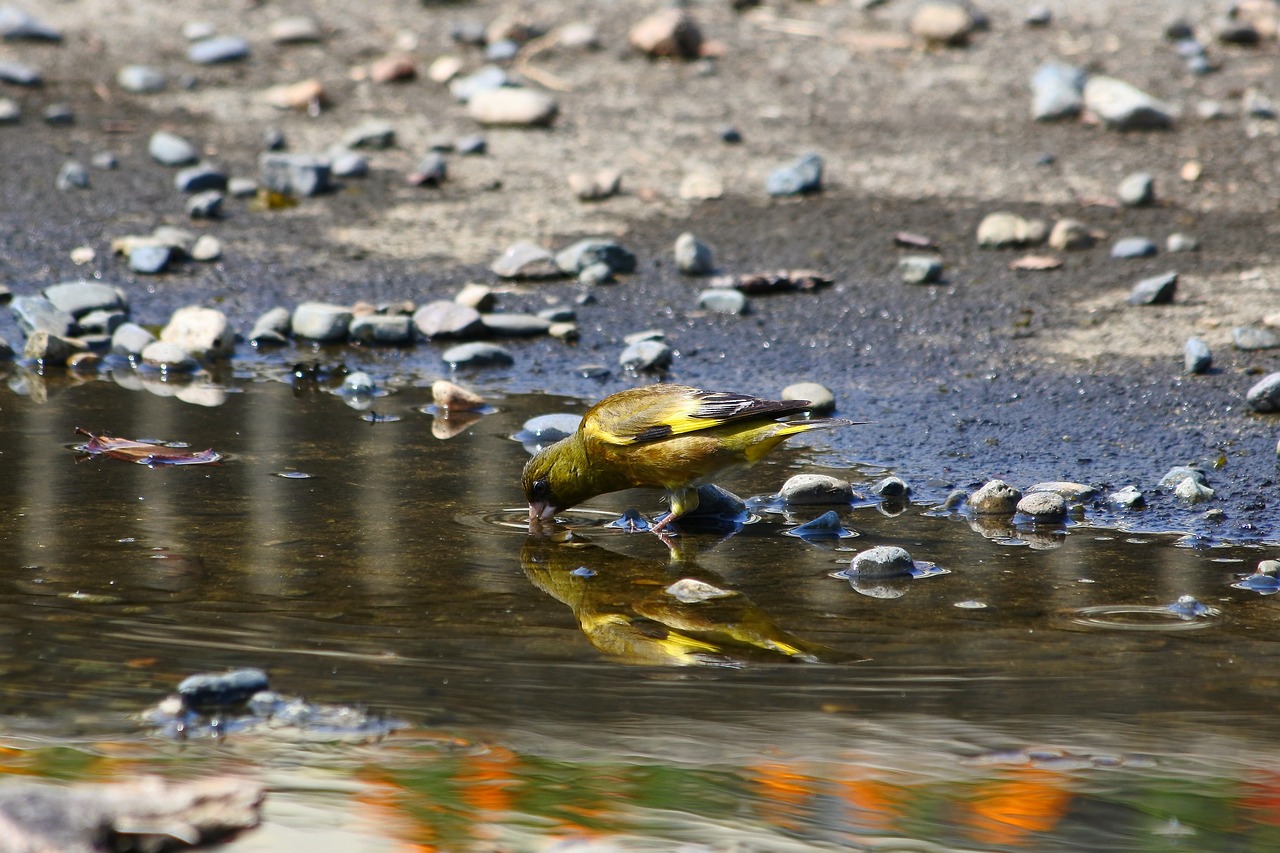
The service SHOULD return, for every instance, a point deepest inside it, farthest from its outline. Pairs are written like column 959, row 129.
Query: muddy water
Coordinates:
column 1037, row 696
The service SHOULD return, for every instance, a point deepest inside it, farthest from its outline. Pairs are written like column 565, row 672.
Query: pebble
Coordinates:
column 1179, row 242
column 390, row 329
column 295, row 174
column 218, row 49
column 1177, row 474
column 472, row 144
column 645, row 356
column 515, row 325
column 447, row 319
column 815, row 489
column 1070, row 235
column 169, row 149
column 129, row 340
column 320, row 321
column 891, row 487
column 503, row 50
column 1137, row 190
column 1254, row 338
column 141, row 79
column 272, row 328
column 1133, row 247
column 80, row 256
column 701, row 185
column 1236, row 31
column 508, row 106
column 920, row 269
column 548, row 429
column 882, row 561
column 370, row 133
column 578, row 256
column 1121, row 106
column 211, row 690
column 302, row 95
column 996, row 497
column 1264, row 396
column 349, row 164
column 59, row 115
column 1257, row 105
column 826, row 525
column 578, row 35
column 1189, row 491
column 72, row 175
column 198, row 30
column 150, row 259
column 48, row 348
column 455, row 398
column 205, row 205
column 601, row 185
column 203, row 332
column 477, row 296
column 1003, row 229
column 1043, row 506
column 723, row 301
column 478, row 354
column 802, row 175
column 79, row 298
column 526, row 260
column 394, row 69
column 17, row 25
column 667, row 33
column 821, row 400
column 1129, row 498
column 19, row 74
column 596, row 274
column 431, row 171
column 1057, row 91
column 941, row 23
column 168, row 357
column 105, row 160
column 294, row 29
column 1156, row 290
column 242, row 187
column 1038, row 16
column 558, row 314
column 486, row 79
column 1196, row 356
column 10, row 111
column 693, row 257
column 201, row 177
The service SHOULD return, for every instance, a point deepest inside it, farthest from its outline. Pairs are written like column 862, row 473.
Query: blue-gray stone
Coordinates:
column 73, row 175
column 1133, row 247
column 811, row 489
column 201, row 177
column 141, row 79
column 803, row 175
column 891, row 487
column 1121, row 106
column 447, row 319
column 388, row 329
column 59, row 115
column 515, row 325
column 430, row 171
column 205, row 205
column 78, row 298
column 721, row 300
column 321, row 321
column 371, row 133
column 920, row 269
column 1175, row 475
column 693, row 257
column 295, row 174
column 503, row 50
column 170, row 149
column 473, row 143
column 15, row 25
column 490, row 77
column 1057, row 92
column 349, row 164
column 19, row 74
column 1156, row 290
column 101, row 322
column 882, row 561
column 582, row 254
column 825, row 526
column 129, row 340
column 546, row 429
column 1264, row 396
column 478, row 355
column 1137, row 190
column 1254, row 338
column 218, row 49
column 643, row 356
column 105, row 160
column 38, row 314
column 150, row 259
column 1196, row 356
column 221, row 689
column 1129, row 498
column 596, row 274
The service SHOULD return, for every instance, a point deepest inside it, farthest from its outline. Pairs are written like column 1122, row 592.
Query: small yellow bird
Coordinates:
column 669, row 437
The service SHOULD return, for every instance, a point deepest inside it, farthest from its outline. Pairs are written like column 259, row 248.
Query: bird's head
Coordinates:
column 556, row 478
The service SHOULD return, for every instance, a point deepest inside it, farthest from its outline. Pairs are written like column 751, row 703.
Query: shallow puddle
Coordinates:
column 1038, row 692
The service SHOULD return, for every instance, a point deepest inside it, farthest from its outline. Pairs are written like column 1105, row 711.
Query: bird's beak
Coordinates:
column 540, row 512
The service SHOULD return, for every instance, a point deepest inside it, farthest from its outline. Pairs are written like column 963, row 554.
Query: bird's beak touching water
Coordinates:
column 540, row 512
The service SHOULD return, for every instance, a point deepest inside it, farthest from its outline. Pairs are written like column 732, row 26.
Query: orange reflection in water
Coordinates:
column 1007, row 812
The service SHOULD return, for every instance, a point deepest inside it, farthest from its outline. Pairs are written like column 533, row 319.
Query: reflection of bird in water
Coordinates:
column 638, row 611
column 670, row 437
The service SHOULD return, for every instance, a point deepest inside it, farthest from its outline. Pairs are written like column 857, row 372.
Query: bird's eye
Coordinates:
column 540, row 490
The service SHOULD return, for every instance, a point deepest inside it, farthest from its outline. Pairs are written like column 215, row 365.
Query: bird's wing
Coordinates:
column 656, row 412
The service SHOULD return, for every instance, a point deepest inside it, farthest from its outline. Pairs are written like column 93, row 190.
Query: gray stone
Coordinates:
column 920, row 269
column 1179, row 242
column 1264, row 396
column 59, row 115
column 295, row 174
column 515, row 325
column 320, row 321
column 1069, row 235
column 1258, row 105
column 891, row 487
column 1003, row 229
column 1196, row 356
column 392, row 329
column 1133, row 247
column 446, row 319
column 202, row 332
column 294, row 29
column 525, row 260
column 821, row 400
column 431, row 170
column 38, row 314
column 815, row 489
column 1175, row 475
column 17, row 25
column 19, row 74
column 201, row 177
column 582, row 254
column 693, row 257
column 79, row 298
column 507, row 106
column 272, row 328
column 477, row 296
column 1121, row 106
column 178, row 239
column 206, row 248
column 168, row 357
column 596, row 274
column 242, row 187
column 1254, row 338
column 490, row 77
column 1129, row 498
column 802, row 175
column 129, row 340
column 996, row 497
column 170, row 149
column 349, row 164
column 371, row 133
column 644, row 356
column 72, row 175
column 1068, row 490
column 149, row 259
column 212, row 51
column 1189, row 491
column 1156, row 290
column 471, row 144
column 1043, row 506
column 1057, row 92
column 101, row 322
column 558, row 314
column 10, row 111
column 105, row 160
column 198, row 30
column 1137, row 190
column 141, row 79
column 882, row 561
column 546, row 429
column 723, row 301
column 205, row 205
column 503, row 50
column 49, row 348
column 478, row 354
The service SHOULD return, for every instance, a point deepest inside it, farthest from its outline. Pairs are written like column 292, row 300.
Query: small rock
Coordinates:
column 821, row 400
column 1038, row 16
column 722, row 301
column 477, row 296
column 1057, row 92
column 1003, row 229
column 169, row 149
column 1236, row 31
column 19, row 74
column 941, row 23
column 59, row 115
column 72, row 175
column 1189, row 491
column 1133, row 247
column 548, row 429
column 1070, row 235
column 803, row 175
column 1254, row 338
column 815, row 489
column 1196, row 356
column 1264, row 396
column 996, row 497
column 669, row 33
column 1157, row 290
column 525, row 260
column 1121, row 106
column 891, row 487
column 388, row 329
column 371, row 133
column 478, row 355
column 1129, row 498
column 320, row 321
column 10, row 111
column 242, row 187
column 487, row 79
column 1257, row 105
column 701, row 185
column 1179, row 242
column 295, row 174
column 212, row 51
column 17, row 25
column 393, row 69
column 49, row 349
column 302, row 95
column 1137, row 190
column 206, row 248
column 472, row 144
column 430, row 171
column 205, row 205
column 582, row 254
column 596, row 274
column 198, row 30
column 512, row 107
column 693, row 257
column 920, row 269
column 1177, row 474
column 646, row 356
column 150, row 259
column 1068, row 490
column 129, row 340
column 168, row 357
column 272, row 328
column 349, row 164
column 212, row 690
column 882, row 561
column 445, row 319
column 201, row 177
column 503, row 50
column 1043, row 506
column 455, row 398
column 514, row 325
column 203, row 332
column 141, row 79
column 294, row 29
column 578, row 35
column 445, row 68
column 79, row 298
column 601, row 185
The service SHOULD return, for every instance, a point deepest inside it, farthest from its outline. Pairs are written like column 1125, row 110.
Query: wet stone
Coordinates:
column 129, row 340
column 920, row 269
column 219, row 49
column 803, row 175
column 452, row 397
column 1121, row 106
column 38, row 314
column 320, row 321
column 19, row 74
column 1263, row 397
column 582, row 254
column 201, row 177
column 295, row 174
column 477, row 296
column 394, row 329
column 203, row 332
column 722, row 301
column 525, row 260
column 1128, row 498
column 1191, row 492
column 547, row 429
column 596, row 274
column 882, row 561
column 1068, row 490
column 815, row 489
column 1157, row 290
column 168, row 357
column 49, row 348
column 515, row 325
column 891, row 487
column 221, row 689
column 1250, row 338
column 169, row 149
column 475, row 355
column 824, row 526
column 1043, row 506
column 1137, row 190
column 1133, row 247
column 446, row 319
column 507, row 106
column 996, row 497
column 141, row 79
column 1180, row 473
column 1196, row 356
column 644, row 356
column 73, row 175
column 272, row 328
column 821, row 400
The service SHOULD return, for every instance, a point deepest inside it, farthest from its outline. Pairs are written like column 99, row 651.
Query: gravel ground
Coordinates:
column 1023, row 375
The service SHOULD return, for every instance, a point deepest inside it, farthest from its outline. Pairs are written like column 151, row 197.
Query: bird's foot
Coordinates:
column 632, row 522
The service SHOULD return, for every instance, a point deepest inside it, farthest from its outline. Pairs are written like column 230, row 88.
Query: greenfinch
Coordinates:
column 669, row 437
